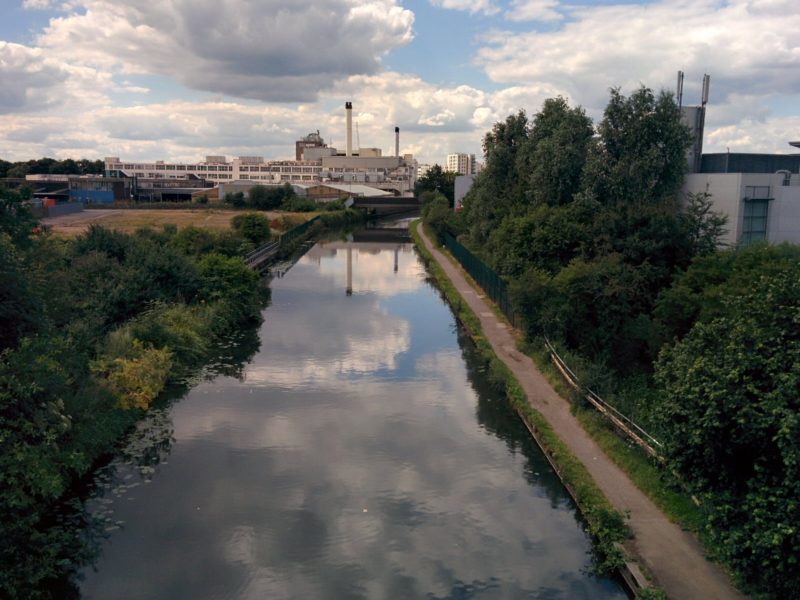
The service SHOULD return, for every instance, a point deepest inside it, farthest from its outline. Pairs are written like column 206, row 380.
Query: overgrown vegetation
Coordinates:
column 91, row 331
column 698, row 344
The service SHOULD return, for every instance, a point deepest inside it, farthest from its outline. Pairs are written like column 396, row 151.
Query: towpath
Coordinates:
column 674, row 557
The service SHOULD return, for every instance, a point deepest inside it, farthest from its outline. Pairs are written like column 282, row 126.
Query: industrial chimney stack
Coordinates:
column 397, row 141
column 348, row 107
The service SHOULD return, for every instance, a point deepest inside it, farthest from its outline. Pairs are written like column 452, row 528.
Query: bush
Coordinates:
column 436, row 213
column 253, row 227
column 731, row 412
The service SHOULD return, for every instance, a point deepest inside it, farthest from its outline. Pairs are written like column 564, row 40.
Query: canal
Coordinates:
column 360, row 453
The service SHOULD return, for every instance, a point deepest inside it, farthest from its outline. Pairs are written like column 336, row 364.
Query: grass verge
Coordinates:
column 606, row 524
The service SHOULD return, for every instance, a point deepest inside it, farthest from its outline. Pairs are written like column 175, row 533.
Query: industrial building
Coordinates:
column 759, row 193
column 314, row 162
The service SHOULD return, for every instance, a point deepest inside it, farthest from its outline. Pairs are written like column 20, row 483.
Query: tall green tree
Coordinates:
column 437, row 180
column 550, row 165
column 495, row 191
column 640, row 155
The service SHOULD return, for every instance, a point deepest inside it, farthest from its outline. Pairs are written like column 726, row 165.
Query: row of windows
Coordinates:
column 174, row 167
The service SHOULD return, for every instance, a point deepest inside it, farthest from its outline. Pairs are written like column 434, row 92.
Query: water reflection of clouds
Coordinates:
column 373, row 267
column 323, row 475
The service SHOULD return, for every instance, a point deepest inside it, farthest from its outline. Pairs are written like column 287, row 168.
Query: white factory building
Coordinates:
column 317, row 163
column 759, row 193
column 759, row 205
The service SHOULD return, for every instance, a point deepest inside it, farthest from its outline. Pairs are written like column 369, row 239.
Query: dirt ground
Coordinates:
column 129, row 220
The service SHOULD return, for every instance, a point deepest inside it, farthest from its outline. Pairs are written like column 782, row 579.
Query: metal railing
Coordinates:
column 489, row 281
column 296, row 232
column 622, row 422
column 270, row 249
column 260, row 253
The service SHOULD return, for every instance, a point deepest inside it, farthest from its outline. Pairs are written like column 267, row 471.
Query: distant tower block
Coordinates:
column 349, row 290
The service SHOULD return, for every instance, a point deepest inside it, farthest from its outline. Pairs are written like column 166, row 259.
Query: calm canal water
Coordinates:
column 360, row 454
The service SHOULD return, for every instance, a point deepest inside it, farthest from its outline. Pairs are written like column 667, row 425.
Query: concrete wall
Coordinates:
column 784, row 212
column 728, row 191
column 462, row 185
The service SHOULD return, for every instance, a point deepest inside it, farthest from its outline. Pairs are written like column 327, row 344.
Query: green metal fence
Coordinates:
column 296, row 232
column 490, row 282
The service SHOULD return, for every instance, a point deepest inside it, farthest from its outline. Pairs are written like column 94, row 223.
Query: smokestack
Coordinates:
column 397, row 141
column 348, row 107
column 679, row 94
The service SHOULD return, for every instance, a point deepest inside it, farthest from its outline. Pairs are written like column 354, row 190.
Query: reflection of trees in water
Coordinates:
column 86, row 518
column 496, row 416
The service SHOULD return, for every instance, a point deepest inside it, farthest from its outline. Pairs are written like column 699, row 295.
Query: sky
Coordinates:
column 182, row 79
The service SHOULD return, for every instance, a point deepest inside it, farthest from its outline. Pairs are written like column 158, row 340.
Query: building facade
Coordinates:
column 463, row 164
column 391, row 173
column 759, row 206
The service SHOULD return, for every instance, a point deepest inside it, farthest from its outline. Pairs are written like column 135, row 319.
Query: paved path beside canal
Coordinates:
column 673, row 556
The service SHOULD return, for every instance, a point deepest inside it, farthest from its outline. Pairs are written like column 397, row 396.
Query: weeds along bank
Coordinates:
column 92, row 329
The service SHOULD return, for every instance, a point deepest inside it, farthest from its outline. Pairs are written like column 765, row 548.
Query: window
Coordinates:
column 760, row 192
column 754, row 224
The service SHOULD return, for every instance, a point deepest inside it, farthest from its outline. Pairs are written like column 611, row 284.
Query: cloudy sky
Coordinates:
column 179, row 79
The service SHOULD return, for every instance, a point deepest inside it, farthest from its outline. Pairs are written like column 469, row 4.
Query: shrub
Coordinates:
column 252, row 226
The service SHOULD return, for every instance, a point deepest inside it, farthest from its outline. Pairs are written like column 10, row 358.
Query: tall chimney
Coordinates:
column 348, row 107
column 397, row 141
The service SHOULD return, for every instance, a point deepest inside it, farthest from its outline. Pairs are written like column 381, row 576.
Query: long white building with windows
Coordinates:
column 318, row 164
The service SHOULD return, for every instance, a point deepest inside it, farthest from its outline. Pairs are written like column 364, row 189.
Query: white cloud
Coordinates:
column 473, row 6
column 273, row 50
column 534, row 10
column 35, row 81
column 748, row 46
column 37, row 4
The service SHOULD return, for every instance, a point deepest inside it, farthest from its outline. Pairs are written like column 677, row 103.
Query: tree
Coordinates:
column 552, row 159
column 437, row 180
column 235, row 199
column 640, row 156
column 252, row 226
column 16, row 219
column 437, row 213
column 706, row 227
column 732, row 416
column 496, row 191
column 270, row 198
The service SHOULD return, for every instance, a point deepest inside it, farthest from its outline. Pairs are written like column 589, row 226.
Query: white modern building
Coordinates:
column 463, row 164
column 759, row 206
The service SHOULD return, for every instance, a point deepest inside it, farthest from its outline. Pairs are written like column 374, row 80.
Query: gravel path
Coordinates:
column 674, row 557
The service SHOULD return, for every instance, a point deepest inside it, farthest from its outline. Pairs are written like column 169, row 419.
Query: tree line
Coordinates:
column 45, row 166
column 700, row 344
column 92, row 329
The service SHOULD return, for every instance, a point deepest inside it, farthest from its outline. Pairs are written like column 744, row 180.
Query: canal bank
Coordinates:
column 673, row 558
